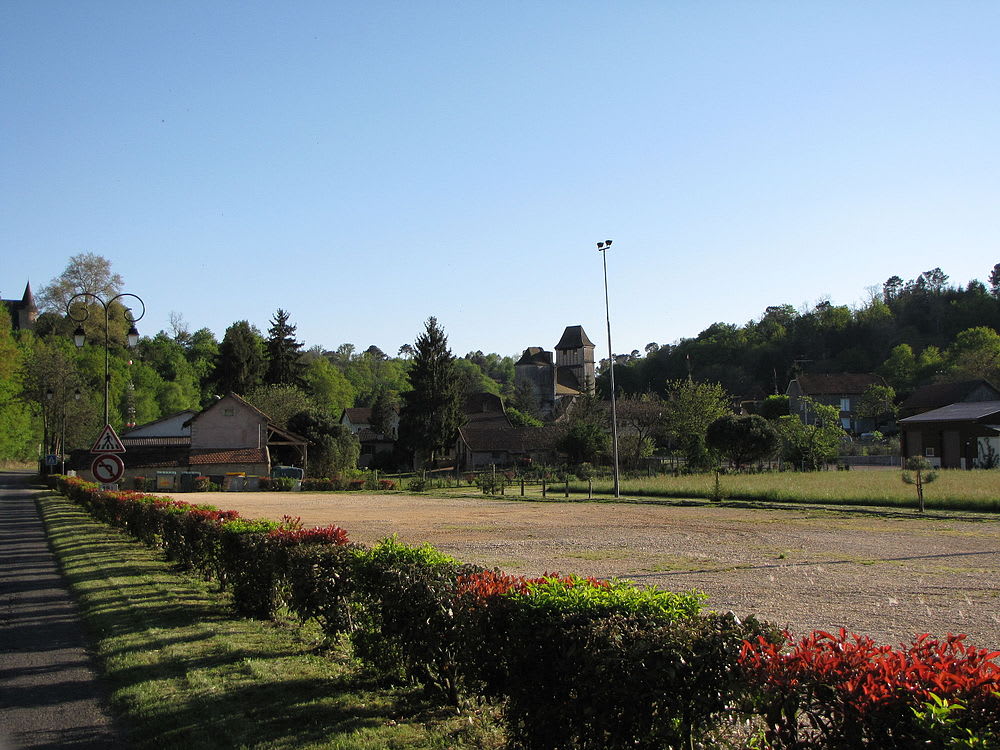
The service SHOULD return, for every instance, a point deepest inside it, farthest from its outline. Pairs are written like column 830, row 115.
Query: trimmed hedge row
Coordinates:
column 572, row 662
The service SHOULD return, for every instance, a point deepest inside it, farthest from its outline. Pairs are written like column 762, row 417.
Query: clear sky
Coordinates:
column 366, row 165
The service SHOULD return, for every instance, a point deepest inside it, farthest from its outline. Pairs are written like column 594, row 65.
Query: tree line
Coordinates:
column 51, row 393
column 912, row 333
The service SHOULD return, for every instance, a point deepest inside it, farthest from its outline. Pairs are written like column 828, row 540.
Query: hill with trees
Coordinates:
column 912, row 333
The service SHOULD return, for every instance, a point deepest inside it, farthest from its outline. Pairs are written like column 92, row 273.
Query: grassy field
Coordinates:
column 185, row 673
column 954, row 489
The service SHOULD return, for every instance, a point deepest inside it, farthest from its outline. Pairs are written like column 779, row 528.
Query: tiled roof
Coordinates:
column 832, row 384
column 238, row 456
column 573, row 338
column 567, row 383
column 150, row 442
column 512, row 440
column 967, row 411
column 176, row 456
column 359, row 415
column 535, row 355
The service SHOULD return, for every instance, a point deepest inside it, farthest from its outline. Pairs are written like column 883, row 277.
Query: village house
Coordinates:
column 228, row 438
column 842, row 390
column 373, row 444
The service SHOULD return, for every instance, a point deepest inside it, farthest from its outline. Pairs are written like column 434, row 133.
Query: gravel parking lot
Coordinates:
column 890, row 574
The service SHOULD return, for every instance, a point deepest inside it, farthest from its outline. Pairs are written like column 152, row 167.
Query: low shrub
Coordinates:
column 584, row 663
column 846, row 691
column 406, row 624
column 321, row 584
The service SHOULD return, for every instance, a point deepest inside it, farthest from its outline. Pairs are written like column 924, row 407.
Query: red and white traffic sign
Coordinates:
column 108, row 442
column 107, row 468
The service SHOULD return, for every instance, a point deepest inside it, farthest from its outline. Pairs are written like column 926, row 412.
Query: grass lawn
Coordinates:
column 185, row 673
column 977, row 490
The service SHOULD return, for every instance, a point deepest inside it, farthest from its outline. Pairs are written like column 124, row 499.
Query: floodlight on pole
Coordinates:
column 602, row 248
column 79, row 336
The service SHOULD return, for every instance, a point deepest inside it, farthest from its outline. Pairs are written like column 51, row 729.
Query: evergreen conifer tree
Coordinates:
column 432, row 412
column 283, row 353
column 241, row 359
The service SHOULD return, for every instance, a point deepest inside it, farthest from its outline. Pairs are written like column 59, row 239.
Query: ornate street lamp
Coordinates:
column 79, row 336
column 602, row 248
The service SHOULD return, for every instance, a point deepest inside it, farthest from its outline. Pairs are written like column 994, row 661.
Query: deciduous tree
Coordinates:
column 333, row 449
column 742, row 439
column 689, row 409
column 809, row 446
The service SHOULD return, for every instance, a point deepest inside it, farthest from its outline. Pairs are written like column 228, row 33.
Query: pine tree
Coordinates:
column 283, row 353
column 431, row 413
column 241, row 359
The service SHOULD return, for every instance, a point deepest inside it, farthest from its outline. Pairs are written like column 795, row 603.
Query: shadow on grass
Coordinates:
column 186, row 673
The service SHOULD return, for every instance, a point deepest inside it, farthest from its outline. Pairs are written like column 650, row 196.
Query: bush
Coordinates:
column 406, row 626
column 321, row 584
column 846, row 691
column 583, row 663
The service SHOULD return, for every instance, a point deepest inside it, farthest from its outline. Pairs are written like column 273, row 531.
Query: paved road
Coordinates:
column 49, row 693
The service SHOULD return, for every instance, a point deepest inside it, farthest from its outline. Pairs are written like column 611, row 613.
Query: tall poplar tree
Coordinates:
column 432, row 411
column 283, row 353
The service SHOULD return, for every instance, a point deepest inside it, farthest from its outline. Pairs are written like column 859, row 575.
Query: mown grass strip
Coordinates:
column 185, row 673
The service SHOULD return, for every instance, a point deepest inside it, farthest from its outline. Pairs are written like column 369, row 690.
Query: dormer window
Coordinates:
column 229, row 412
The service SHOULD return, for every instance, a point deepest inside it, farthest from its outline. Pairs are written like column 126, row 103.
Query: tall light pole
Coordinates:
column 602, row 248
column 79, row 336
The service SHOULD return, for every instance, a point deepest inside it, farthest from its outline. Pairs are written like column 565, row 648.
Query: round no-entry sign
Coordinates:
column 107, row 468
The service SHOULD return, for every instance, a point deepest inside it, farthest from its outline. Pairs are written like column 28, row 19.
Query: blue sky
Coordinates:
column 367, row 165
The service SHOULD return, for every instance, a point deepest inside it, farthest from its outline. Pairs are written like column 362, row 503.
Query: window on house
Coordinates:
column 845, row 404
column 929, row 452
column 229, row 412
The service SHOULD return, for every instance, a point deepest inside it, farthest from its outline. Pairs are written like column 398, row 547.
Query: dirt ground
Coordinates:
column 886, row 573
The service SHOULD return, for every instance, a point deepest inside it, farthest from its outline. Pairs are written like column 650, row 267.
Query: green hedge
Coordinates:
column 572, row 662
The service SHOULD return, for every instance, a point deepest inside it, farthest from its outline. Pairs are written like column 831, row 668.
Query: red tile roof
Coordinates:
column 238, row 456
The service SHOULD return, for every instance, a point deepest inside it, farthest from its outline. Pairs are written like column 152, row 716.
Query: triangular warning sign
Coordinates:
column 108, row 442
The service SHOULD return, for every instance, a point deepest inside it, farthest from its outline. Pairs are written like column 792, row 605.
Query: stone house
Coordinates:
column 228, row 437
column 842, row 390
column 483, row 445
column 373, row 444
